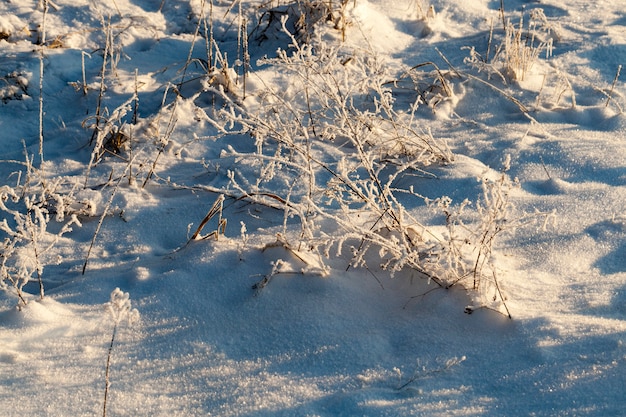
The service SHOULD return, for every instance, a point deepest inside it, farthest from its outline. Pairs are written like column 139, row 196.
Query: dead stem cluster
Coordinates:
column 28, row 208
column 331, row 150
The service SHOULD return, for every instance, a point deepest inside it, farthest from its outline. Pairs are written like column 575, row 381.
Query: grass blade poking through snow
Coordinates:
column 41, row 56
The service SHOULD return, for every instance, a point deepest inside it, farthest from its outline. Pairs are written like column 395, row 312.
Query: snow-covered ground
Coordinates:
column 257, row 322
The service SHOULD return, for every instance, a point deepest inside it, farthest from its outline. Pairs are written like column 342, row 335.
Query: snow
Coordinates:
column 253, row 321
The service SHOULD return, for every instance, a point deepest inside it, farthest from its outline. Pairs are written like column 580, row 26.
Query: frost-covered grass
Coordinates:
column 318, row 208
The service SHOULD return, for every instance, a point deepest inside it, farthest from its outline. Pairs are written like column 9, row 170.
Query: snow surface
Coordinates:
column 316, row 342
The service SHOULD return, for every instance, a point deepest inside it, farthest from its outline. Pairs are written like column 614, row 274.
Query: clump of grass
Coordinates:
column 520, row 48
column 523, row 46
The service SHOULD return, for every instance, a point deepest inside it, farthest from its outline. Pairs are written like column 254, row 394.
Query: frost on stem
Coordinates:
column 244, row 240
column 423, row 372
column 27, row 243
column 467, row 250
column 119, row 309
column 338, row 102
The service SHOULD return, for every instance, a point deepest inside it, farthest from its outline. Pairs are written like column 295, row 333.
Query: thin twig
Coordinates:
column 193, row 43
column 107, row 382
column 41, row 73
column 609, row 98
column 105, row 212
column 495, row 280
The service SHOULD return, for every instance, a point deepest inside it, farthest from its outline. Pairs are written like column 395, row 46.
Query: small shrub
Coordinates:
column 27, row 243
column 472, row 234
column 338, row 103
